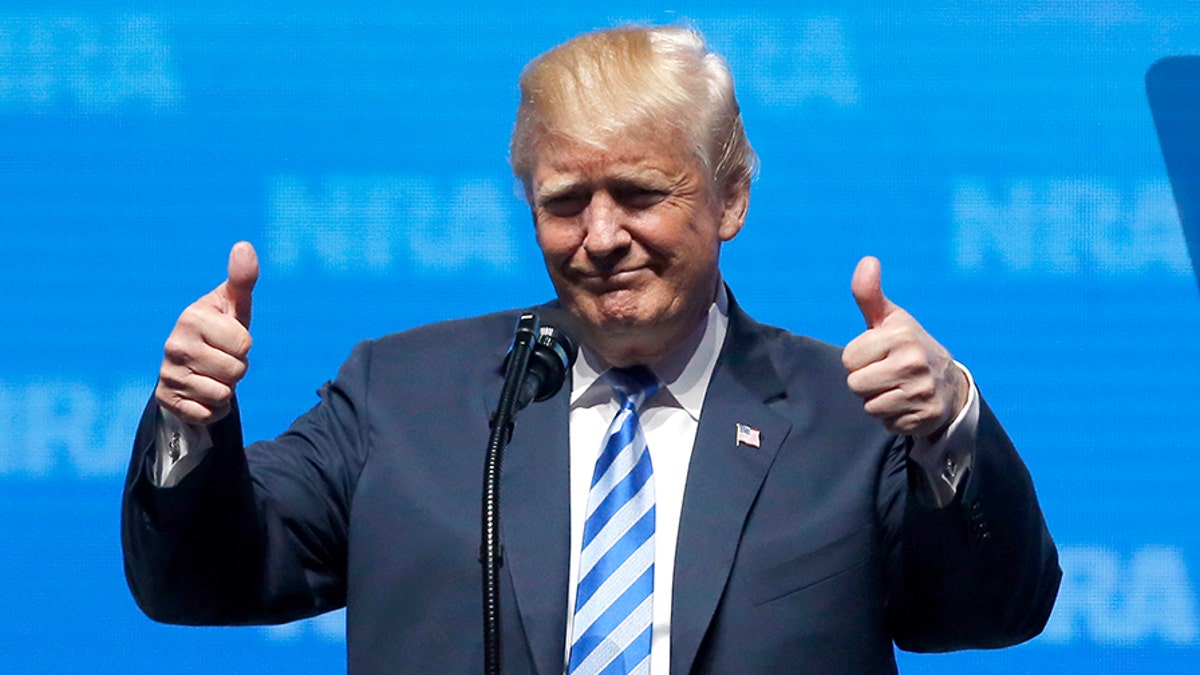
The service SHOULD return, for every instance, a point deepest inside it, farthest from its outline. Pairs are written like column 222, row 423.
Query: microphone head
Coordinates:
column 561, row 343
column 554, row 353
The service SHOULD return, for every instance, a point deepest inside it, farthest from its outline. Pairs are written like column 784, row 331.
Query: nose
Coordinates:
column 603, row 220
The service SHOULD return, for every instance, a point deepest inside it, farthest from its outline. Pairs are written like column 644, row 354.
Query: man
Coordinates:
column 789, row 507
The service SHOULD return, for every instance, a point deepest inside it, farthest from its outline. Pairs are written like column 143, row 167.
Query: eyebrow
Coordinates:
column 561, row 186
column 557, row 187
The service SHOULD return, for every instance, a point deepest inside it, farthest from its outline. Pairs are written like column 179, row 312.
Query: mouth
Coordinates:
column 610, row 280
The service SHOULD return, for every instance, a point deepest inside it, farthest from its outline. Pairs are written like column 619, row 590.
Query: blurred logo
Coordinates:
column 68, row 427
column 75, row 64
column 1067, row 227
column 1110, row 602
column 786, row 62
column 379, row 225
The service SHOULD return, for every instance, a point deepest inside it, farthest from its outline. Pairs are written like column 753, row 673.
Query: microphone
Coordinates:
column 553, row 354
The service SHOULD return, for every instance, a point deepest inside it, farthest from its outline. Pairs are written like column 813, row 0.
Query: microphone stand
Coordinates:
column 490, row 553
column 535, row 370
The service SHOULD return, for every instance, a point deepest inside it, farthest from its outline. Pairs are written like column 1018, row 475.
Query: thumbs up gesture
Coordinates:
column 205, row 355
column 905, row 378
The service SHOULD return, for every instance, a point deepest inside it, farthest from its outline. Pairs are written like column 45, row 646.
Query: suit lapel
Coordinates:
column 535, row 525
column 723, row 480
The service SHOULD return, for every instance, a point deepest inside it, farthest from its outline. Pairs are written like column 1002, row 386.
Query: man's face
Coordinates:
column 631, row 236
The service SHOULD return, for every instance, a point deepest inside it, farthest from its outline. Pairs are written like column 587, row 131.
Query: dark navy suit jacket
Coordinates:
column 807, row 554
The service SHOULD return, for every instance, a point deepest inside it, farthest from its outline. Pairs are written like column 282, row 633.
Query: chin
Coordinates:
column 622, row 314
column 628, row 338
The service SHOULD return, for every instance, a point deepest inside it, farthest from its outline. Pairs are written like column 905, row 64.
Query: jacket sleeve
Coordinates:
column 981, row 572
column 253, row 534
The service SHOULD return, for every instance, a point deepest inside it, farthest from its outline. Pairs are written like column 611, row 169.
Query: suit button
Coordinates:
column 980, row 529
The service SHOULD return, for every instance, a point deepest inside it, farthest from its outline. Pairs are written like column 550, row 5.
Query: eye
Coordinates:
column 637, row 197
column 567, row 204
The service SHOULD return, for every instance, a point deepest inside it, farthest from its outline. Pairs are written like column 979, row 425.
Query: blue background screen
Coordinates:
column 998, row 156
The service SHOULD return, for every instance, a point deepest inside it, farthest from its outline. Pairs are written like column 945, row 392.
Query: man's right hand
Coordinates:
column 205, row 355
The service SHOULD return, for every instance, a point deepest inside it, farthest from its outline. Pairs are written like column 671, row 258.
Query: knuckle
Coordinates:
column 214, row 411
column 852, row 353
column 176, row 348
column 238, row 371
column 183, row 408
column 243, row 343
column 239, row 342
column 191, row 318
column 211, row 393
column 168, row 383
column 854, row 381
column 165, row 396
column 913, row 366
column 874, row 407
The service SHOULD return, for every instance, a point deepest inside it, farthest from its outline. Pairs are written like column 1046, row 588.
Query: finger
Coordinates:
column 906, row 395
column 242, row 275
column 901, row 370
column 870, row 347
column 901, row 415
column 907, row 424
column 915, row 423
column 889, row 404
column 872, row 380
column 867, row 288
column 187, row 385
column 226, row 335
column 192, row 412
column 206, row 361
column 189, row 410
column 201, row 326
column 223, row 368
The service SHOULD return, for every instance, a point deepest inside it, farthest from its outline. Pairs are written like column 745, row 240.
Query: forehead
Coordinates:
column 561, row 159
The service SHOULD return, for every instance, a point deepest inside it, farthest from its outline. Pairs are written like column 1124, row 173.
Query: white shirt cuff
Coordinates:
column 946, row 462
column 180, row 446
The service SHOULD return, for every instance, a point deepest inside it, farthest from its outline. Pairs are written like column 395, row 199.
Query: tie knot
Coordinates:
column 634, row 384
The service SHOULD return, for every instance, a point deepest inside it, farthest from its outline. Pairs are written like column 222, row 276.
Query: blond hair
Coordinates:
column 632, row 80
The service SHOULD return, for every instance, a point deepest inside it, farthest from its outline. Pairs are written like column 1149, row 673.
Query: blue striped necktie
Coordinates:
column 613, row 603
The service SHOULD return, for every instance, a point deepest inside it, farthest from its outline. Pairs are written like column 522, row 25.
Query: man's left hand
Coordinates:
column 905, row 378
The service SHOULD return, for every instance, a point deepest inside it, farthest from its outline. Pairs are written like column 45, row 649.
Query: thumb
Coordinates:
column 868, row 292
column 243, row 273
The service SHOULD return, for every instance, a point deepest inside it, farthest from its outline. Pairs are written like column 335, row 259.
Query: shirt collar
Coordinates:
column 684, row 372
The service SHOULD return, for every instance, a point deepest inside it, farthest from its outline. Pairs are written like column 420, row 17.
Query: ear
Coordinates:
column 733, row 215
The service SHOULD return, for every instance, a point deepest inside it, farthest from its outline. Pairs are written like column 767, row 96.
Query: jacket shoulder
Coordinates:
column 463, row 337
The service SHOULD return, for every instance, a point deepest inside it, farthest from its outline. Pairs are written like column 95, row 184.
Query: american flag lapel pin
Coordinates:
column 748, row 435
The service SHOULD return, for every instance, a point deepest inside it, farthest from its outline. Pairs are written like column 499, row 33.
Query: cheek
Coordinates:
column 690, row 264
column 676, row 226
column 556, row 241
column 686, row 242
